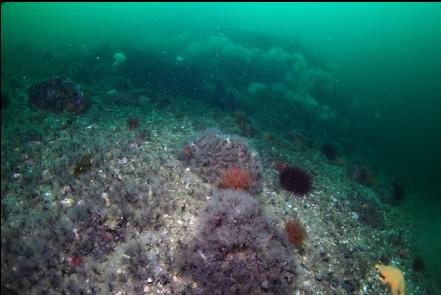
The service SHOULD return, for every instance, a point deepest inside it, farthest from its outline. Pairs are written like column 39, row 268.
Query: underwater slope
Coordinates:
column 136, row 166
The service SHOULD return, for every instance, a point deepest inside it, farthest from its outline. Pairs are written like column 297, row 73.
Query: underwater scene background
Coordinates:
column 220, row 148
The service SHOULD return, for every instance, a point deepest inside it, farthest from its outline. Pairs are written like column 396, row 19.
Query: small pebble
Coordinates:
column 67, row 202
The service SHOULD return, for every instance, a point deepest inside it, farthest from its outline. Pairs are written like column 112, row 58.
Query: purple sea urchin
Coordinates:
column 296, row 180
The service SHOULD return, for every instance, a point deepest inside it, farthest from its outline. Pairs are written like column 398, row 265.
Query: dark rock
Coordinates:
column 398, row 191
column 391, row 194
column 324, row 256
column 330, row 151
column 58, row 94
column 362, row 175
column 347, row 253
column 385, row 259
column 349, row 286
column 321, row 276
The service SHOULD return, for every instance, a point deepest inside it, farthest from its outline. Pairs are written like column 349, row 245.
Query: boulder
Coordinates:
column 58, row 94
